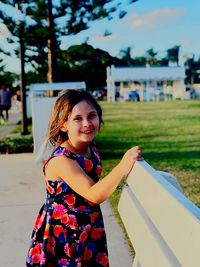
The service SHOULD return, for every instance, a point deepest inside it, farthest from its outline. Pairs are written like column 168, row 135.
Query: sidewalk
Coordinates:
column 22, row 192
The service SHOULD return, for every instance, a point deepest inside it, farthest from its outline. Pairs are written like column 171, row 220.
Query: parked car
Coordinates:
column 134, row 96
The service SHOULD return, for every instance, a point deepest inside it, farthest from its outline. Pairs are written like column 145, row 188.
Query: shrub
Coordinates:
column 16, row 144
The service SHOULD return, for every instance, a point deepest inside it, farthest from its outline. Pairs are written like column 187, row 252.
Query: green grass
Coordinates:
column 167, row 132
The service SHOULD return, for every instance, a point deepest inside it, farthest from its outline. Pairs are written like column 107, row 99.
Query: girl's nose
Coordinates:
column 86, row 122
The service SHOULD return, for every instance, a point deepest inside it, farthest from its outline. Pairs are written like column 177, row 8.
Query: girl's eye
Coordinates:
column 77, row 119
column 92, row 115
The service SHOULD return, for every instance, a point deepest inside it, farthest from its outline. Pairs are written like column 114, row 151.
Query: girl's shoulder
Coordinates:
column 59, row 151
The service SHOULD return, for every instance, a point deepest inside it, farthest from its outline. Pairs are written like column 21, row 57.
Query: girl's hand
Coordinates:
column 129, row 158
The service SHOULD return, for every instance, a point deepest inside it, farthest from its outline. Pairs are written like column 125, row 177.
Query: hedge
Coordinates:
column 16, row 144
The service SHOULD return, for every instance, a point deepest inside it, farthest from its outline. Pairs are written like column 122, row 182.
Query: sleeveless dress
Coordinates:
column 69, row 229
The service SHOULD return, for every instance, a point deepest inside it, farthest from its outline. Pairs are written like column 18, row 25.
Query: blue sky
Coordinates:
column 156, row 24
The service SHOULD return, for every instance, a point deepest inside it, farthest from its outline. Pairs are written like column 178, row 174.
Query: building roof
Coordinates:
column 147, row 73
column 57, row 86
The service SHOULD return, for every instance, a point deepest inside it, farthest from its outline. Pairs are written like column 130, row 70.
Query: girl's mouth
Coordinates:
column 88, row 131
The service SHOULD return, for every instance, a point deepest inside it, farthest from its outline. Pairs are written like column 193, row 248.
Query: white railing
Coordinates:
column 162, row 224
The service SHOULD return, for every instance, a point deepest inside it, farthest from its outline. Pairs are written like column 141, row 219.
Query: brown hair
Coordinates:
column 62, row 109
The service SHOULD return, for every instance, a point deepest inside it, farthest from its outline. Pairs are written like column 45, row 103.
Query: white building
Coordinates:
column 151, row 83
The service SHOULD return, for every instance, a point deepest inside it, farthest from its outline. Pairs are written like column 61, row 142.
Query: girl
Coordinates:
column 69, row 229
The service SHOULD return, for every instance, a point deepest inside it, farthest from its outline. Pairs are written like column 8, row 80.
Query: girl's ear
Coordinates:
column 64, row 127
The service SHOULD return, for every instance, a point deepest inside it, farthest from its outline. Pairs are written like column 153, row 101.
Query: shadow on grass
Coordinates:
column 114, row 149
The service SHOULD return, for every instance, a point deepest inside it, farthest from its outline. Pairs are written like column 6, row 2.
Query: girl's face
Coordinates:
column 82, row 123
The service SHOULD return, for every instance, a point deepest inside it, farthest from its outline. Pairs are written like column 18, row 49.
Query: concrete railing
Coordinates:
column 162, row 224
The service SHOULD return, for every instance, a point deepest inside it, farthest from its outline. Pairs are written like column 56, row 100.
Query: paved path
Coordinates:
column 22, row 192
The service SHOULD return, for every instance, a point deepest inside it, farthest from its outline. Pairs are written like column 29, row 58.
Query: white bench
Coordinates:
column 162, row 224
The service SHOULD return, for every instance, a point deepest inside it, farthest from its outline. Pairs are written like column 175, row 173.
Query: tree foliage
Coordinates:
column 173, row 54
column 125, row 54
column 46, row 22
column 151, row 57
column 8, row 78
column 86, row 63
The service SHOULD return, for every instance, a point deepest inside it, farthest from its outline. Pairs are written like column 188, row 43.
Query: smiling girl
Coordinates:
column 69, row 229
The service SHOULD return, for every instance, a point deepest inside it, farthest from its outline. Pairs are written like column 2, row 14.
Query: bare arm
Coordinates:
column 80, row 182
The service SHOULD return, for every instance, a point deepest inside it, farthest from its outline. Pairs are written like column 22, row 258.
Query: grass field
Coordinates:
column 168, row 133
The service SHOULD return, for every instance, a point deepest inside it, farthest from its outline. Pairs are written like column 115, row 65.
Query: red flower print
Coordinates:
column 64, row 219
column 72, row 222
column 57, row 230
column 70, row 199
column 98, row 170
column 69, row 250
column 58, row 212
column 88, row 165
column 87, row 228
column 42, row 258
column 56, row 215
column 94, row 216
column 46, row 231
column 37, row 255
column 36, row 258
column 34, row 251
column 39, row 246
column 83, row 236
column 60, row 208
column 97, row 233
column 87, row 255
column 37, row 221
column 102, row 259
column 58, row 190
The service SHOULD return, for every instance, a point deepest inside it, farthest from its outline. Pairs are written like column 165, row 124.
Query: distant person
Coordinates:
column 2, row 119
column 6, row 96
column 69, row 229
column 18, row 100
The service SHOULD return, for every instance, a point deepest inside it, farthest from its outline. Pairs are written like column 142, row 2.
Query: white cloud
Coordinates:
column 153, row 19
column 102, row 38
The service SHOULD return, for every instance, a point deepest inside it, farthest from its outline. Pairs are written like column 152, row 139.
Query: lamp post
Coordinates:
column 24, row 130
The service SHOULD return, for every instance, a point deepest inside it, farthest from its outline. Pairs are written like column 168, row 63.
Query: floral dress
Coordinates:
column 69, row 230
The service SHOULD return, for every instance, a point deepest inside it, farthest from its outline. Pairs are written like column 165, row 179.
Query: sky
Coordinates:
column 157, row 24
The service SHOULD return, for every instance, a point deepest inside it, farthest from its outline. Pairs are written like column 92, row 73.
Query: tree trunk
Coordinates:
column 52, row 58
